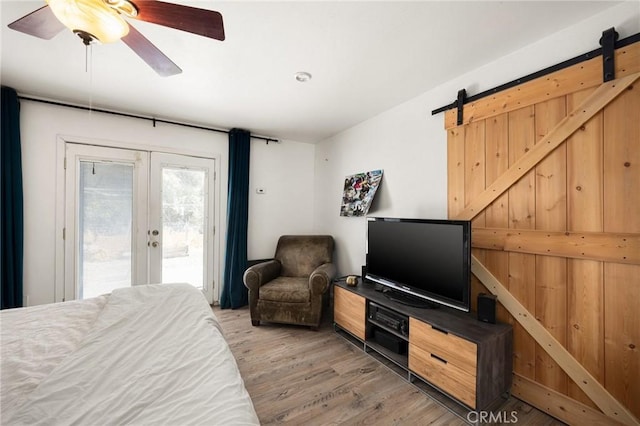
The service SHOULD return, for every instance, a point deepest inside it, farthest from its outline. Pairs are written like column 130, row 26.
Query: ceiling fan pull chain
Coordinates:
column 88, row 68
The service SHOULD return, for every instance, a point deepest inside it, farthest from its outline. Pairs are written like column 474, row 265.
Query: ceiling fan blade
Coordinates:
column 41, row 23
column 150, row 54
column 207, row 23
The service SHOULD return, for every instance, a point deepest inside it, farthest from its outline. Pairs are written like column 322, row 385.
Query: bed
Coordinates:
column 152, row 354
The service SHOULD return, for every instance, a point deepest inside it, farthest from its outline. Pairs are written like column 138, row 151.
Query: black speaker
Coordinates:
column 389, row 341
column 487, row 308
column 364, row 272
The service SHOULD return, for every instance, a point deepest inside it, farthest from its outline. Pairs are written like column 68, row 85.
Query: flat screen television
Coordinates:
column 421, row 260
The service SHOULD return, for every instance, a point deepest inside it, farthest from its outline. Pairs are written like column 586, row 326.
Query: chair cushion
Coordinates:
column 286, row 289
column 300, row 255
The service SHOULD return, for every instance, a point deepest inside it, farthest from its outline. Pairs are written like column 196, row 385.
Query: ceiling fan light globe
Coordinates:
column 124, row 7
column 90, row 16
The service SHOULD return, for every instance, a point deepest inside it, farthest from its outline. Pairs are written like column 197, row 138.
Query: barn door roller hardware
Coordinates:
column 462, row 98
column 608, row 43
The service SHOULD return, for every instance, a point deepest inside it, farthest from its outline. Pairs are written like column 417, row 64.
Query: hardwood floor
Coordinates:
column 301, row 377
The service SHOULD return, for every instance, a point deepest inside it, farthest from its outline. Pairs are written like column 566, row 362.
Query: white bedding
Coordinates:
column 141, row 355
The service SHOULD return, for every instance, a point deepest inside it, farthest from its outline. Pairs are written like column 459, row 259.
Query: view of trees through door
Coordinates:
column 136, row 217
column 180, row 204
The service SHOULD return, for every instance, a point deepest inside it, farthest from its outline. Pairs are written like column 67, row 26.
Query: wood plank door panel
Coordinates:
column 585, row 282
column 565, row 168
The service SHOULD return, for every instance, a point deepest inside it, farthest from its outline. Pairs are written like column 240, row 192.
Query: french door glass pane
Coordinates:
column 105, row 227
column 184, row 195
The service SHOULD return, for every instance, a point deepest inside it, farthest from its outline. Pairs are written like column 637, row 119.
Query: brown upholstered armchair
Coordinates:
column 290, row 288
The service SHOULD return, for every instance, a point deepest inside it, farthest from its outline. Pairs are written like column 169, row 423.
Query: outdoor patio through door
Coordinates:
column 137, row 217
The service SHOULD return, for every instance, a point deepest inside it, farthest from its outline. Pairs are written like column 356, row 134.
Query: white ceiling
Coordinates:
column 365, row 57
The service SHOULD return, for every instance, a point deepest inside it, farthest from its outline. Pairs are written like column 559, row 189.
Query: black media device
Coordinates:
column 389, row 319
column 421, row 261
column 487, row 308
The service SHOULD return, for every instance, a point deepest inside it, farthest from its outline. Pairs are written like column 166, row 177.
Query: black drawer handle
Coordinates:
column 438, row 358
column 439, row 329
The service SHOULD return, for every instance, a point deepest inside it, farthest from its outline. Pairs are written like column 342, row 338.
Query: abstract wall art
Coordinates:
column 358, row 193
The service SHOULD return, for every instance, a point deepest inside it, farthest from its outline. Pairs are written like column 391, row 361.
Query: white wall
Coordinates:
column 272, row 167
column 285, row 172
column 409, row 144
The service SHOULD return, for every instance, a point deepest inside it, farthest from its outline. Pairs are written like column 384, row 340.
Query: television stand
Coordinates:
column 409, row 300
column 446, row 351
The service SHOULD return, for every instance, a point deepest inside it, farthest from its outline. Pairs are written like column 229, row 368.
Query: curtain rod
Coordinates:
column 141, row 117
column 565, row 64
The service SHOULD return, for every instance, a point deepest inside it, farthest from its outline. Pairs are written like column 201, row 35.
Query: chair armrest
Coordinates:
column 260, row 274
column 321, row 277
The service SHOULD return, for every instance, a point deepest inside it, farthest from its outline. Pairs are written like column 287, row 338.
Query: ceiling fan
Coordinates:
column 102, row 20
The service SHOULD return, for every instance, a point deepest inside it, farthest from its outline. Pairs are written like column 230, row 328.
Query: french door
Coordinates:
column 137, row 217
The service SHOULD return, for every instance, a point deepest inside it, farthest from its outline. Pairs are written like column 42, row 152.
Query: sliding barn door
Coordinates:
column 549, row 172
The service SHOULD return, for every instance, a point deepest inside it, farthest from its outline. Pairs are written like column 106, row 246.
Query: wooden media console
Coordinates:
column 453, row 352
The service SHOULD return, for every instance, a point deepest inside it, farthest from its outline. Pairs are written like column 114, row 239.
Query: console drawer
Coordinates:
column 454, row 349
column 349, row 311
column 443, row 374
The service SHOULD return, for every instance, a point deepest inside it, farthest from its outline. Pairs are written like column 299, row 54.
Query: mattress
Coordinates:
column 152, row 354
